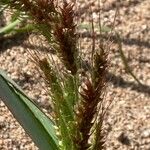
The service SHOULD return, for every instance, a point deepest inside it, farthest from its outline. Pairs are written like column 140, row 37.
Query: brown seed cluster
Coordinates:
column 66, row 37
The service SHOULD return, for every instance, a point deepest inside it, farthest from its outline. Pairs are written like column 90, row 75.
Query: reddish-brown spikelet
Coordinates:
column 85, row 114
column 58, row 22
column 100, row 69
column 44, row 9
column 67, row 16
column 66, row 38
column 40, row 10
column 88, row 107
column 100, row 66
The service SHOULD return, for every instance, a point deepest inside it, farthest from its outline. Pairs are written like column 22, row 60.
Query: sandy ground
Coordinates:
column 128, row 120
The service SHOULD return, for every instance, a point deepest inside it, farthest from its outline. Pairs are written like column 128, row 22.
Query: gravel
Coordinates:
column 128, row 119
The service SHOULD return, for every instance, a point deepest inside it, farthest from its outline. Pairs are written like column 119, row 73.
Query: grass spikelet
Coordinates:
column 90, row 111
column 57, row 24
column 86, row 112
column 100, row 66
column 50, row 77
column 66, row 38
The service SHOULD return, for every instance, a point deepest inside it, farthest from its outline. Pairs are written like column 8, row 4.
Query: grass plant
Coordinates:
column 77, row 94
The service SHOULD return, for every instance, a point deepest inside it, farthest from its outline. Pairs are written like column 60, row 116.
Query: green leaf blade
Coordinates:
column 39, row 127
